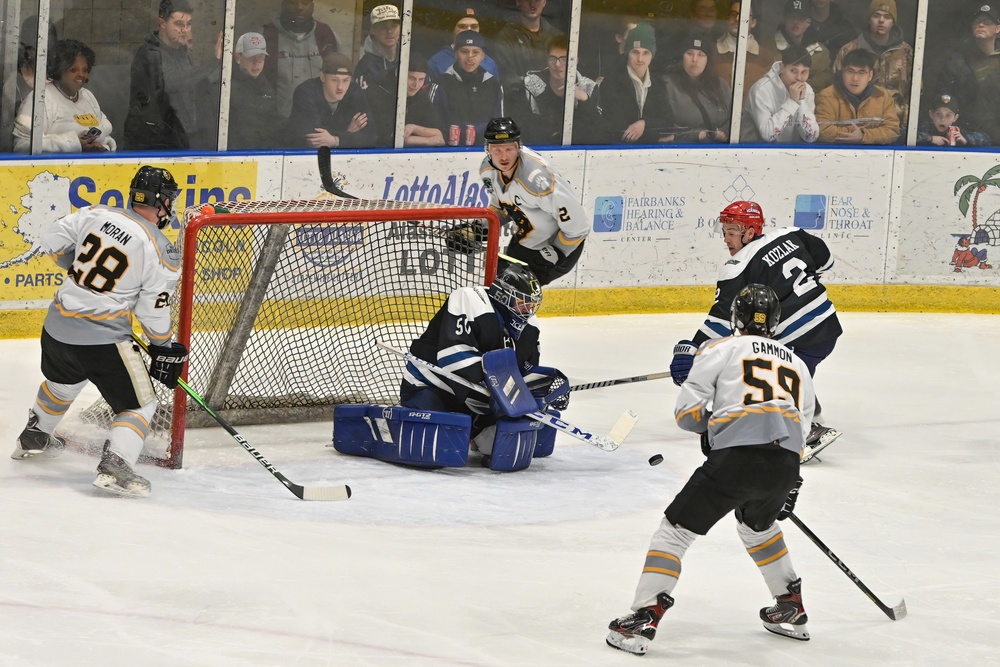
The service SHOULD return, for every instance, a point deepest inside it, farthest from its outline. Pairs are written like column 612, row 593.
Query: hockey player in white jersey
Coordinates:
column 790, row 261
column 550, row 224
column 118, row 264
column 753, row 401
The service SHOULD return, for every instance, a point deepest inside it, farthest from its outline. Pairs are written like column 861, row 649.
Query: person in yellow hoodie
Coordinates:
column 854, row 110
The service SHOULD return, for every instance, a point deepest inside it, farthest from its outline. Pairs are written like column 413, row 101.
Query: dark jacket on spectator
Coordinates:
column 539, row 111
column 619, row 108
column 926, row 130
column 167, row 105
column 253, row 112
column 832, row 33
column 419, row 108
column 519, row 51
column 468, row 99
column 980, row 98
column 295, row 57
column 311, row 110
column 372, row 64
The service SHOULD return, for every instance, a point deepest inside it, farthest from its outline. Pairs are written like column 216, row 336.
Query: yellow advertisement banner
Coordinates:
column 33, row 196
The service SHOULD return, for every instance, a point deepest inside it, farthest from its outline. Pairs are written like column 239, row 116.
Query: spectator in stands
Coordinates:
column 445, row 58
column 15, row 90
column 329, row 110
column 538, row 105
column 602, row 43
column 73, row 120
column 423, row 125
column 467, row 94
column 942, row 128
column 700, row 100
column 829, row 26
column 759, row 59
column 381, row 47
column 298, row 43
column 971, row 72
column 793, row 29
column 781, row 107
column 704, row 19
column 632, row 102
column 894, row 57
column 253, row 109
column 167, row 105
column 523, row 44
column 854, row 110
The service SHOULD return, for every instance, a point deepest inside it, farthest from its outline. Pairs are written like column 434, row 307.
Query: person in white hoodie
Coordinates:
column 781, row 107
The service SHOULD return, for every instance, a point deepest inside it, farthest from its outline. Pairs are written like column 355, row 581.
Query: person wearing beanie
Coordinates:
column 330, row 110
column 894, row 57
column 632, row 102
column 700, row 100
column 445, row 58
column 466, row 93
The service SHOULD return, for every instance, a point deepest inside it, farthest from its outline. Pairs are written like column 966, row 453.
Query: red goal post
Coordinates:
column 280, row 304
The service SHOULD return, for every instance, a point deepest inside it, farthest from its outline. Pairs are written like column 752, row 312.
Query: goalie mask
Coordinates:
column 756, row 310
column 156, row 187
column 517, row 294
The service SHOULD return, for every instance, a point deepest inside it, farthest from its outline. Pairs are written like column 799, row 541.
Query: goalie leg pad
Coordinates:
column 424, row 438
column 352, row 430
column 510, row 395
column 546, row 441
column 514, row 444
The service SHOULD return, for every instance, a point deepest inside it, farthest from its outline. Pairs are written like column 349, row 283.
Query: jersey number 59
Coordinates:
column 767, row 383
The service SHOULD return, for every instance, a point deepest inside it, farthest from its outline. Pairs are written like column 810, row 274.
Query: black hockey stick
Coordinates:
column 895, row 613
column 339, row 492
column 611, row 383
column 326, row 174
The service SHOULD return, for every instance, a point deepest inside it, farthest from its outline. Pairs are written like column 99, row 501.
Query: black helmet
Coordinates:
column 502, row 131
column 156, row 187
column 756, row 310
column 517, row 294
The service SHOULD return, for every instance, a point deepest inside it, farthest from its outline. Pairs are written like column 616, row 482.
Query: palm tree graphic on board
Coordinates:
column 972, row 187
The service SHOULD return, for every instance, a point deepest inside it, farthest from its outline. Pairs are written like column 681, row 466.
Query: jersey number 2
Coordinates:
column 766, row 382
column 98, row 270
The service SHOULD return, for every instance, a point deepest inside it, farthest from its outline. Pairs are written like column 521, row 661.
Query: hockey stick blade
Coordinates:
column 894, row 613
column 612, row 383
column 326, row 173
column 339, row 492
column 608, row 443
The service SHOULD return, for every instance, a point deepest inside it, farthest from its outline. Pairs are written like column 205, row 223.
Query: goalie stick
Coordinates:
column 612, row 383
column 608, row 443
column 339, row 492
column 895, row 613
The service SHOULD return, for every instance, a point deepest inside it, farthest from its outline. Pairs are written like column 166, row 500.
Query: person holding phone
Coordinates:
column 73, row 120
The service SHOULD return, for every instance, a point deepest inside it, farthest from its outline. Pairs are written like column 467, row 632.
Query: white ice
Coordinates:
column 223, row 566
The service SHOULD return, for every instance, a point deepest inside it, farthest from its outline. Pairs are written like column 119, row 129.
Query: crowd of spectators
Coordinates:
column 829, row 71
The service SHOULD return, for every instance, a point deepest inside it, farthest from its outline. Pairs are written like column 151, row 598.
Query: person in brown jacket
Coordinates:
column 854, row 110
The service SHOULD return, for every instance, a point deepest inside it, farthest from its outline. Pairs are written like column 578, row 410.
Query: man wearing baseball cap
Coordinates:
column 297, row 43
column 445, row 58
column 381, row 47
column 330, row 110
column 971, row 72
column 794, row 29
column 253, row 108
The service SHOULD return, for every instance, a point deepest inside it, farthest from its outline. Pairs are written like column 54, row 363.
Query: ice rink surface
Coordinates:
column 223, row 566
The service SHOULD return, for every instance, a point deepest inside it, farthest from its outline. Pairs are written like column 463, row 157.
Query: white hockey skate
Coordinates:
column 116, row 476
column 36, row 443
column 820, row 437
column 787, row 616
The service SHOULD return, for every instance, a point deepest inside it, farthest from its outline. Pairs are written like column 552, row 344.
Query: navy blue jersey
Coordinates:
column 466, row 327
column 790, row 261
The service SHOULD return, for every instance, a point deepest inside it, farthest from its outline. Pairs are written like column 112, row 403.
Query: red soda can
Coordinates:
column 470, row 135
column 454, row 134
column 952, row 135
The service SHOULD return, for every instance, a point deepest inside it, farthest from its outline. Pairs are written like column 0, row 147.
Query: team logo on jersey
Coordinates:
column 488, row 184
column 608, row 214
column 540, row 179
column 810, row 211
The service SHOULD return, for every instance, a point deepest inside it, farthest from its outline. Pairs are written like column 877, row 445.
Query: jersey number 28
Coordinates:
column 96, row 269
column 767, row 383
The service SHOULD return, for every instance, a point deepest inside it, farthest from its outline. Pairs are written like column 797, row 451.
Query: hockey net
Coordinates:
column 280, row 304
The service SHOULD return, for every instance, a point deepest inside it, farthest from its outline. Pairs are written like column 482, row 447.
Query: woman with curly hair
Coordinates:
column 73, row 120
column 700, row 100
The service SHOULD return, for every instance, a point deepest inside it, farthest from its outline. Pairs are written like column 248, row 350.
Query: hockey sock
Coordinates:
column 663, row 563
column 52, row 402
column 128, row 431
column 768, row 550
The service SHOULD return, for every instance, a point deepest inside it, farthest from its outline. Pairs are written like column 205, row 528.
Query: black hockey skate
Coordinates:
column 116, row 476
column 36, row 443
column 633, row 633
column 820, row 437
column 787, row 617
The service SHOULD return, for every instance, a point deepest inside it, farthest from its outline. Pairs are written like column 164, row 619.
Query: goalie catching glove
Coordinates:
column 467, row 239
column 166, row 363
column 548, row 385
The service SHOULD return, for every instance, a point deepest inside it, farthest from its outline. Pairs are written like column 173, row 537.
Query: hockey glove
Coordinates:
column 550, row 254
column 680, row 366
column 466, row 239
column 793, row 495
column 706, row 446
column 167, row 362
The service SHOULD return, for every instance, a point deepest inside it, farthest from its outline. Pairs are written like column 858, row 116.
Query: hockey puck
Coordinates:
column 656, row 459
